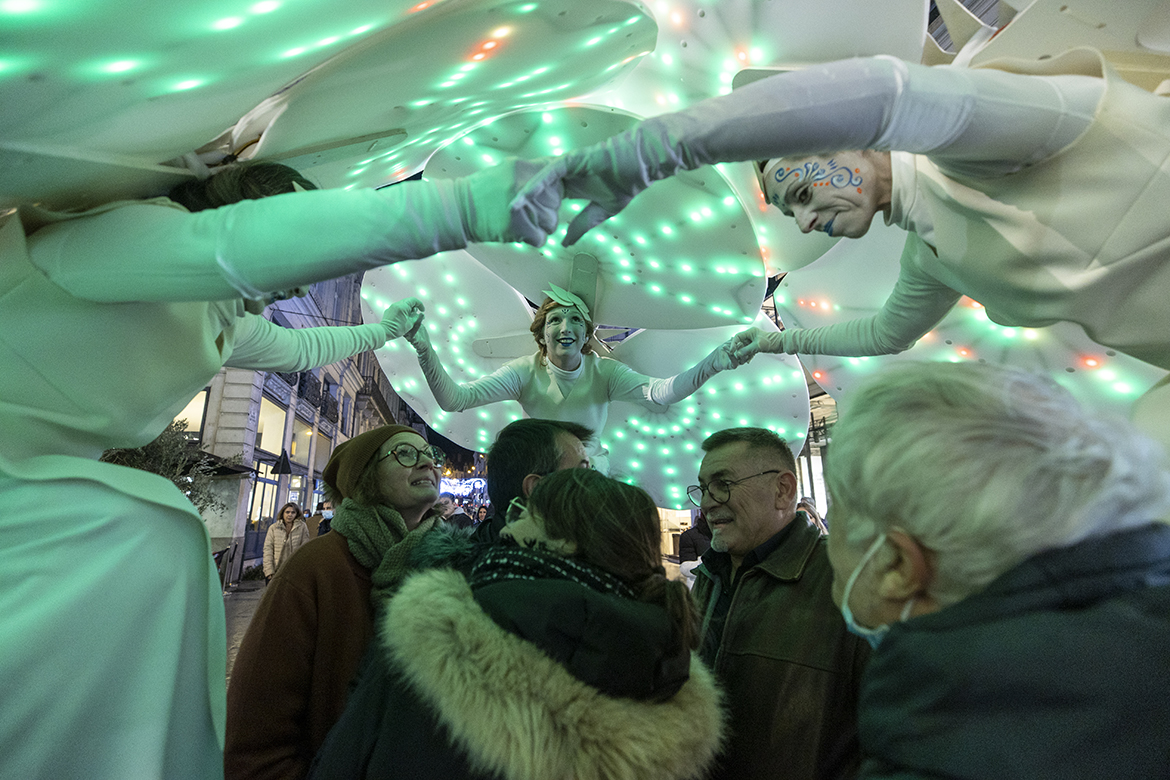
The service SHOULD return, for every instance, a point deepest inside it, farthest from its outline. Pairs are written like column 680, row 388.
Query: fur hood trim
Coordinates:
column 517, row 713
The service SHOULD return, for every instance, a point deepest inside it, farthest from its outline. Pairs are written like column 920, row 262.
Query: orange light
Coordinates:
column 478, row 56
column 964, row 353
column 421, row 6
column 812, row 304
column 817, row 375
column 490, row 45
column 1091, row 362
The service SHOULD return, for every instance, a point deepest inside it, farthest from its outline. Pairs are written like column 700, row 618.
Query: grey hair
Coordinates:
column 986, row 466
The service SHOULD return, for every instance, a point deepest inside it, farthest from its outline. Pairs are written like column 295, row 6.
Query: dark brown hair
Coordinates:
column 240, row 181
column 615, row 527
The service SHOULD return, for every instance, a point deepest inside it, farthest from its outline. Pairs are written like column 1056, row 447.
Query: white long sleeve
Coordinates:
column 916, row 305
column 880, row 103
column 503, row 384
column 152, row 251
column 673, row 389
column 261, row 345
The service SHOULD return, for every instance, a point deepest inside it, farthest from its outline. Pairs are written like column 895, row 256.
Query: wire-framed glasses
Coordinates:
column 516, row 508
column 407, row 455
column 720, row 489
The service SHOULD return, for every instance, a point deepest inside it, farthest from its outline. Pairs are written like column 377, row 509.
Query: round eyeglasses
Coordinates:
column 407, row 455
column 720, row 489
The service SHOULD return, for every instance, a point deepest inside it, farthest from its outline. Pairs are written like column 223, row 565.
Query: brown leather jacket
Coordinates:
column 790, row 669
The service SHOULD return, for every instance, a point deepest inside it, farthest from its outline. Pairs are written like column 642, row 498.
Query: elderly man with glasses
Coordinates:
column 771, row 631
column 291, row 678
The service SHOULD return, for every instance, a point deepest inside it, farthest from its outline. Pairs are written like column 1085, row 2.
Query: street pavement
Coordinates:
column 239, row 604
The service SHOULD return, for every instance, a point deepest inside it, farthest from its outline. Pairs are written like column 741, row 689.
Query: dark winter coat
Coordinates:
column 1059, row 669
column 523, row 680
column 790, row 669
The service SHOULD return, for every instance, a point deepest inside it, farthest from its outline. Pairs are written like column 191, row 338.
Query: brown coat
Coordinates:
column 291, row 677
column 789, row 668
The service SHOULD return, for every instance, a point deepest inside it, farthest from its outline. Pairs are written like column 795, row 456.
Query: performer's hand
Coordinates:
column 724, row 355
column 418, row 337
column 748, row 343
column 402, row 317
column 608, row 175
column 492, row 210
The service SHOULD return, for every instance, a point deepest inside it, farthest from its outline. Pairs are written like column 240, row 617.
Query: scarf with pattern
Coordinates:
column 503, row 562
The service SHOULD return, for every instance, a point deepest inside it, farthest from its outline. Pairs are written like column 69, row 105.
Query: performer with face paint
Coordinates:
column 564, row 379
column 1037, row 189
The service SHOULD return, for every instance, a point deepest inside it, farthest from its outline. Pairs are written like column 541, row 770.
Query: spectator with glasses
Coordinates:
column 770, row 629
column 305, row 642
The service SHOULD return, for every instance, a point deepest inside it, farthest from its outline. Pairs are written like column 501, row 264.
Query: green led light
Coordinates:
column 121, row 66
column 227, row 24
column 183, row 86
column 20, row 6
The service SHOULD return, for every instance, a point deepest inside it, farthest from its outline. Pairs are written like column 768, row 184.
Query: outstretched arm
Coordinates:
column 157, row 251
column 629, row 385
column 917, row 304
column 503, row 384
column 871, row 103
column 261, row 345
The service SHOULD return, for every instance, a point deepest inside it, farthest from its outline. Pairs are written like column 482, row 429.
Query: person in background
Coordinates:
column 565, row 653
column 292, row 674
column 452, row 513
column 167, row 291
column 809, row 507
column 481, row 514
column 523, row 453
column 284, row 537
column 770, row 630
column 692, row 543
column 981, row 622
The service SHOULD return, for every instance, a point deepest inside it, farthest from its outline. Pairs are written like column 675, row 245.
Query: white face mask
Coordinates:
column 872, row 635
column 327, row 514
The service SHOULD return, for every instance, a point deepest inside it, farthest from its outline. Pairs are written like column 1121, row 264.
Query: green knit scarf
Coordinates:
column 379, row 540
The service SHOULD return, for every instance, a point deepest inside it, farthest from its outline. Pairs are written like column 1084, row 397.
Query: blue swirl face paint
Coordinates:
column 812, row 173
column 822, row 194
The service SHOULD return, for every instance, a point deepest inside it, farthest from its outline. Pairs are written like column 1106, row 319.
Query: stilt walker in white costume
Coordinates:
column 112, row 643
column 564, row 379
column 1037, row 189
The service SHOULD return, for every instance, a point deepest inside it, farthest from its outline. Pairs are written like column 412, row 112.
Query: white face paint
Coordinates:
column 834, row 194
column 565, row 331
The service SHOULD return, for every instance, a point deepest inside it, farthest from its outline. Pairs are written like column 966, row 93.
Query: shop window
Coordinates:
column 298, row 451
column 270, row 427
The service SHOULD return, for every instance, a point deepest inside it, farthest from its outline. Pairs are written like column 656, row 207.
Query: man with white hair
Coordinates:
column 1011, row 646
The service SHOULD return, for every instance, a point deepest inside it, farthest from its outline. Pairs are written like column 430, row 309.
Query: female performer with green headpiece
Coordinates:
column 565, row 379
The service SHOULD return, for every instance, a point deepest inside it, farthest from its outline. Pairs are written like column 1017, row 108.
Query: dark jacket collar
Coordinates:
column 785, row 555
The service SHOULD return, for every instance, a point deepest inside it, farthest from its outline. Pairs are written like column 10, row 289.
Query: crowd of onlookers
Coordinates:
column 908, row 636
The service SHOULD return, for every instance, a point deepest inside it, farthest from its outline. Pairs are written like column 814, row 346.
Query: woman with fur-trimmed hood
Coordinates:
column 564, row 653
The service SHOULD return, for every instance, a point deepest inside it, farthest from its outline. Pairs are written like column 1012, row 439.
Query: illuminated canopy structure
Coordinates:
column 124, row 98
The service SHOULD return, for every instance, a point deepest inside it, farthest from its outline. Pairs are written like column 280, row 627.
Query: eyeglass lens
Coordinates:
column 407, row 455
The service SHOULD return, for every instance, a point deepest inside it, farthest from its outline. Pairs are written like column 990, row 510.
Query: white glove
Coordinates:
column 401, row 317
column 484, row 204
column 745, row 345
column 418, row 337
